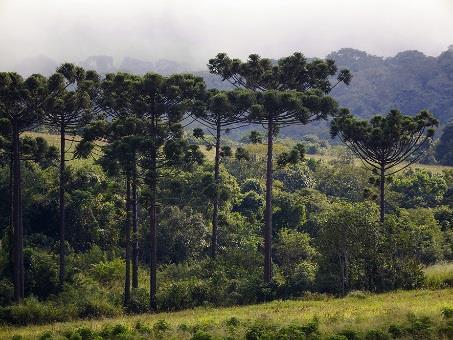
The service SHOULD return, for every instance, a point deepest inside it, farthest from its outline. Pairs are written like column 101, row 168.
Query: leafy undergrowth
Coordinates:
column 418, row 314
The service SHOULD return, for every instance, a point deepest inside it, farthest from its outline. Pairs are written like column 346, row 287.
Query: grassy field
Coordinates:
column 359, row 312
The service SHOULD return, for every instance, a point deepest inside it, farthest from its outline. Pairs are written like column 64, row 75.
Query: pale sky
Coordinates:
column 193, row 31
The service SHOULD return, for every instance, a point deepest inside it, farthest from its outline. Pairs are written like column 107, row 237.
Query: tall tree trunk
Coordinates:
column 62, row 215
column 153, row 220
column 153, row 249
column 215, row 213
column 127, row 279
column 16, row 219
column 382, row 193
column 11, row 208
column 268, row 211
column 134, row 227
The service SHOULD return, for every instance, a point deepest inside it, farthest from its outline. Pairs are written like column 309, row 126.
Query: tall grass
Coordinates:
column 439, row 276
column 360, row 314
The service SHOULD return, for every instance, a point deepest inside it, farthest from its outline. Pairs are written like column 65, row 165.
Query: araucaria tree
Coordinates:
column 120, row 145
column 386, row 142
column 161, row 103
column 289, row 92
column 67, row 113
column 224, row 110
column 21, row 109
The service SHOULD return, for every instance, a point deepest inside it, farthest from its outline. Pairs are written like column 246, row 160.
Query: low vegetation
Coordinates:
column 403, row 314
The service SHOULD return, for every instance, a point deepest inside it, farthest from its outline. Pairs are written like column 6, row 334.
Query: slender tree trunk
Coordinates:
column 134, row 228
column 215, row 213
column 153, row 221
column 127, row 279
column 342, row 269
column 268, row 211
column 153, row 249
column 382, row 193
column 16, row 219
column 61, row 202
column 11, row 208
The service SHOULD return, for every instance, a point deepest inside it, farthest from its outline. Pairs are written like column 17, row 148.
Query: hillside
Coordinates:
column 359, row 313
column 410, row 81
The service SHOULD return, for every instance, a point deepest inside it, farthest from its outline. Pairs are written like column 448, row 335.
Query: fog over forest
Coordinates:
column 190, row 32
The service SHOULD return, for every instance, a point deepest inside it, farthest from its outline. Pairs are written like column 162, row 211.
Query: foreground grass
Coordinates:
column 360, row 312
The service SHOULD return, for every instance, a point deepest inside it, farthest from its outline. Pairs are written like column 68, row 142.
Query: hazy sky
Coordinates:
column 195, row 30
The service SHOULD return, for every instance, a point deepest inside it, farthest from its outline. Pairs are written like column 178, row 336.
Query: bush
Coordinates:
column 376, row 334
column 447, row 313
column 337, row 337
column 47, row 335
column 6, row 292
column 349, row 334
column 291, row 332
column 31, row 311
column 396, row 331
column 420, row 327
column 108, row 271
column 139, row 301
column 41, row 273
column 233, row 322
column 96, row 307
column 160, row 327
column 260, row 330
column 201, row 335
column 183, row 294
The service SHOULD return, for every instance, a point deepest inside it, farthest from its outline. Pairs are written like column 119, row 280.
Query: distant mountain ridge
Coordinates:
column 409, row 81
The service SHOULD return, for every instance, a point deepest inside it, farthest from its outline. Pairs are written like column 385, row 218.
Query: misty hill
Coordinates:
column 409, row 81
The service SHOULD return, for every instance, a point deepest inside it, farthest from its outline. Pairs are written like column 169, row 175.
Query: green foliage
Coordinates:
column 444, row 149
column 420, row 188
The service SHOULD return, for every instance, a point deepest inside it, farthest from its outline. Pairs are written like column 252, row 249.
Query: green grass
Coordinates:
column 439, row 276
column 359, row 312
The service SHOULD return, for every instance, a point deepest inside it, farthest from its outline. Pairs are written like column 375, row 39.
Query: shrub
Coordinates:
column 160, row 327
column 447, row 313
column 376, row 334
column 142, row 328
column 6, row 292
column 260, row 330
column 95, row 307
column 183, row 294
column 396, row 331
column 33, row 311
column 420, row 327
column 85, row 333
column 139, row 301
column 41, row 273
column 119, row 329
column 337, row 337
column 108, row 271
column 291, row 332
column 201, row 335
column 349, row 334
column 47, row 335
column 233, row 322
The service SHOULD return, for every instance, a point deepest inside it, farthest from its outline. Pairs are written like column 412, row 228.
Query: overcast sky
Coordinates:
column 195, row 30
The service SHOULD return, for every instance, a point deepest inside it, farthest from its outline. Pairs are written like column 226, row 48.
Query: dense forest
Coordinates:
column 124, row 193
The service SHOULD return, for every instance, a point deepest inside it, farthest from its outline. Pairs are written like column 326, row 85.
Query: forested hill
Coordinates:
column 409, row 81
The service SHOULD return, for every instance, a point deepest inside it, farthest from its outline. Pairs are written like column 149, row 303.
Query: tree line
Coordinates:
column 134, row 126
